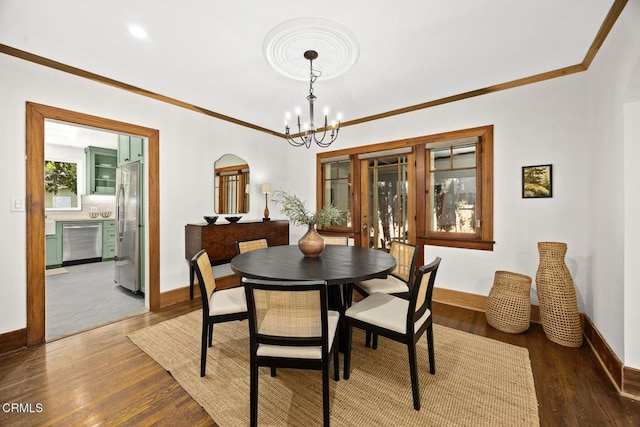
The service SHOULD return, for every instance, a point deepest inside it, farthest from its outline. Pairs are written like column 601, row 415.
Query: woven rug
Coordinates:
column 478, row 381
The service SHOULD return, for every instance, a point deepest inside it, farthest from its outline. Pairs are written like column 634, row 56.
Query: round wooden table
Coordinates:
column 336, row 265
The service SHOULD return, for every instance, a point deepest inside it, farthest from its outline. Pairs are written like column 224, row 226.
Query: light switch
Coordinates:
column 17, row 204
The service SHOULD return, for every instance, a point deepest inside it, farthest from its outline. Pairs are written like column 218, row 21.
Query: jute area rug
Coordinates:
column 478, row 381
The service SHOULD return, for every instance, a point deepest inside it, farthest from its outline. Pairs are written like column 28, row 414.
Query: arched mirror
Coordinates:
column 231, row 185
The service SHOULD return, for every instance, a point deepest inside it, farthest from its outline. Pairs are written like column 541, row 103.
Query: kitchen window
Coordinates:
column 61, row 182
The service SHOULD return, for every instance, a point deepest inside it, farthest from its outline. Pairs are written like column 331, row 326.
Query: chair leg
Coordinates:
column 273, row 371
column 253, row 394
column 210, row 334
column 413, row 368
column 368, row 339
column 325, row 393
column 347, row 350
column 191, row 279
column 374, row 343
column 336, row 362
column 203, row 350
column 430, row 346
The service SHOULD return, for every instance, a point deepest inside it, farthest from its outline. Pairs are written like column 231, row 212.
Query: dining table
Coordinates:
column 337, row 265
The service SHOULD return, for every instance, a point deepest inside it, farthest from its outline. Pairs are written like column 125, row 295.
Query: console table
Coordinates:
column 219, row 240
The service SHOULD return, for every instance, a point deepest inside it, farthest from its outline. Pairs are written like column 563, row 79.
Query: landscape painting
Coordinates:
column 536, row 181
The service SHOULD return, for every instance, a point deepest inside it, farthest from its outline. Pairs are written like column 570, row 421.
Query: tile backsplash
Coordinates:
column 90, row 203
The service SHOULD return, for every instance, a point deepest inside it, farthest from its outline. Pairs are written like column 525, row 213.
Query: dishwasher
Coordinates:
column 81, row 242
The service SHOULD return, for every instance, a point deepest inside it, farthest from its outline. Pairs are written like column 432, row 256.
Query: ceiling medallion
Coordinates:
column 285, row 45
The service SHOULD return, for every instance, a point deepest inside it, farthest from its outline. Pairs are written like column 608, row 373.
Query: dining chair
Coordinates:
column 344, row 288
column 217, row 305
column 290, row 326
column 251, row 245
column 336, row 240
column 397, row 283
column 398, row 319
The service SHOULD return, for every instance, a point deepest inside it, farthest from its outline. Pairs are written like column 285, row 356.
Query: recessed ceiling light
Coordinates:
column 137, row 31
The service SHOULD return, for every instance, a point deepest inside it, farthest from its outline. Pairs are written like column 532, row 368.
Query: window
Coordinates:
column 61, row 185
column 458, row 202
column 451, row 204
column 446, row 198
column 336, row 176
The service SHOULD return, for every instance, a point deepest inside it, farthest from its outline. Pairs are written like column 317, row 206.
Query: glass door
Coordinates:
column 386, row 209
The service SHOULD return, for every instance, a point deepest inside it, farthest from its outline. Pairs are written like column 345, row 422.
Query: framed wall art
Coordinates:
column 537, row 182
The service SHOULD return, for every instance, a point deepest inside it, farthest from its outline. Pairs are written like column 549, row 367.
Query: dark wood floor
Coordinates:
column 100, row 378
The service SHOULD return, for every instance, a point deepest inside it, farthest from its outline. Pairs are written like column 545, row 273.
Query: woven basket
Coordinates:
column 509, row 303
column 558, row 304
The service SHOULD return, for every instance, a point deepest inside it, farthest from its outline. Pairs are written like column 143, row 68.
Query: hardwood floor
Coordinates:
column 100, row 378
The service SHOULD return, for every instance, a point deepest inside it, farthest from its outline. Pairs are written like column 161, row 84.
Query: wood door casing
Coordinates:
column 35, row 211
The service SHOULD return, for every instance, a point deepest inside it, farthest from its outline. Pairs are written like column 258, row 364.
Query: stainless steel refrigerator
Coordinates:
column 128, row 226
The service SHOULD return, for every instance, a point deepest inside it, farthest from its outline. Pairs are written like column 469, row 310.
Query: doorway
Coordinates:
column 82, row 251
column 386, row 208
column 35, row 253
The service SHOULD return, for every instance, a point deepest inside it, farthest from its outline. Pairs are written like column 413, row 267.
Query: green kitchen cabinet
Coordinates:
column 101, row 170
column 130, row 149
column 53, row 248
column 108, row 240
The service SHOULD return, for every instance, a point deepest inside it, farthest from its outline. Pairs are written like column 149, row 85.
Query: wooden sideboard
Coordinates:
column 219, row 240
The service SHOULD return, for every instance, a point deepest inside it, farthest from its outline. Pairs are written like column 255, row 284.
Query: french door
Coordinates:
column 388, row 200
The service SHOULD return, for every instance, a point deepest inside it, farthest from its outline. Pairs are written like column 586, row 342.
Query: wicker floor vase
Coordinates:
column 557, row 297
column 509, row 302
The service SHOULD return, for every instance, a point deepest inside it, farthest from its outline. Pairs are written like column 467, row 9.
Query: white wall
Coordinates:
column 189, row 145
column 540, row 123
column 632, row 207
column 575, row 123
column 608, row 85
column 632, row 234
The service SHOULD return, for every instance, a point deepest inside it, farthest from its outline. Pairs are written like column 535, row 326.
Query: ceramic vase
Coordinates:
column 557, row 297
column 312, row 243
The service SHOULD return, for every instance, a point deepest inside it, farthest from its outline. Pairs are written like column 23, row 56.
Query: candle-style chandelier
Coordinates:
column 307, row 134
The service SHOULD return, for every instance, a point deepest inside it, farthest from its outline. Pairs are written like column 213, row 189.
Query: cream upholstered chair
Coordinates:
column 217, row 305
column 398, row 282
column 398, row 319
column 290, row 326
column 251, row 245
column 339, row 241
column 336, row 240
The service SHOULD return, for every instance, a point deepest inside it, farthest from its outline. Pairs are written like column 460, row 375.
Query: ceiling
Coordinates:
column 59, row 133
column 209, row 53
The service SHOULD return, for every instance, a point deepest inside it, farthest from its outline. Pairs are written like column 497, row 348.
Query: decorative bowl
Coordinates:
column 105, row 214
column 232, row 219
column 93, row 214
column 211, row 219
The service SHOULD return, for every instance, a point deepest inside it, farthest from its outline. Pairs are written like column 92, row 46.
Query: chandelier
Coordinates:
column 307, row 134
